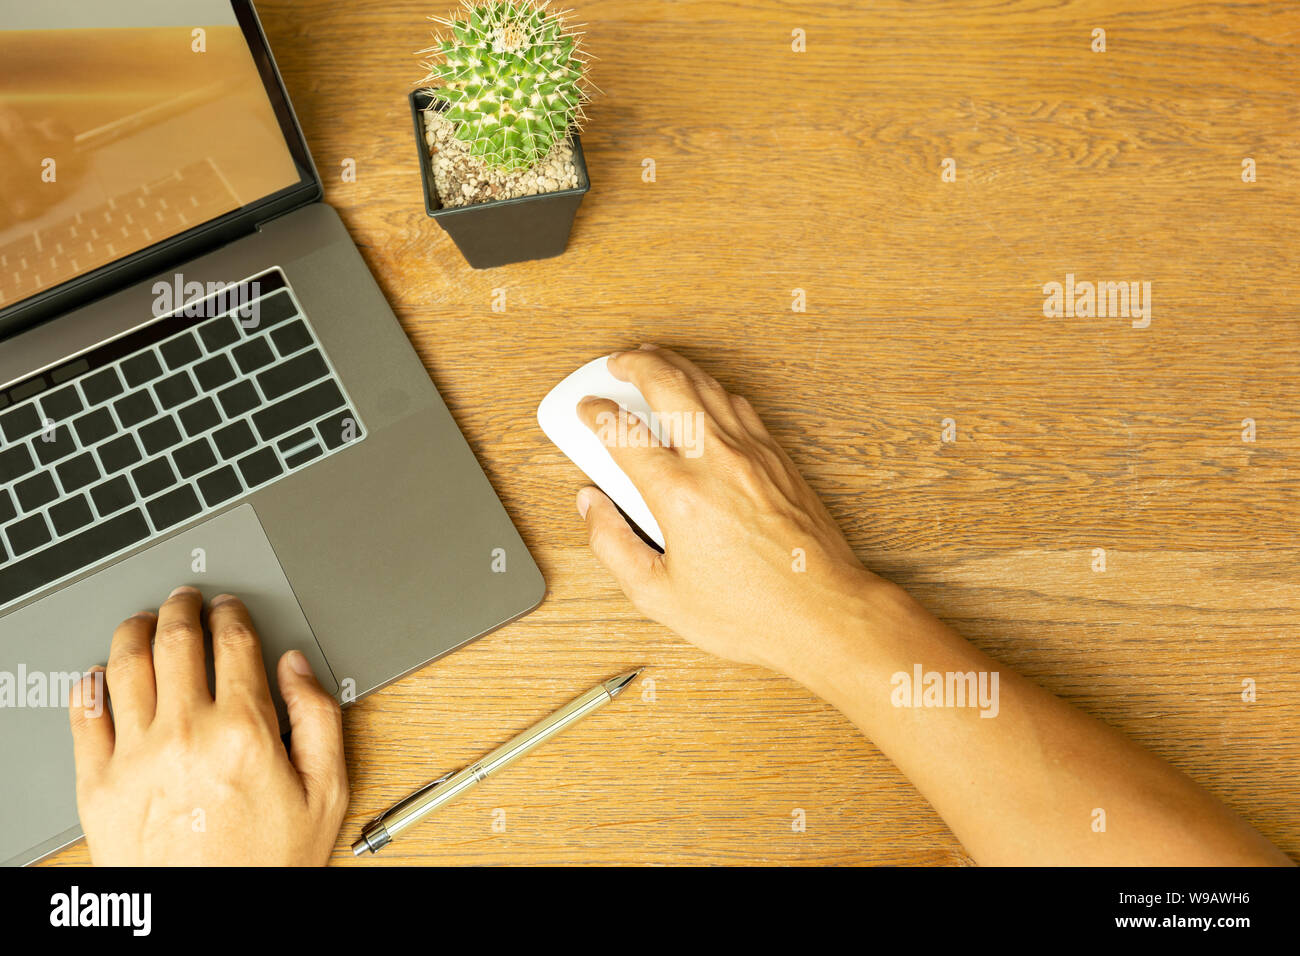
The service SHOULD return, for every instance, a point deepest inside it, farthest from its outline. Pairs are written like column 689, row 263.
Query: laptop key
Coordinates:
column 193, row 458
column 259, row 467
column 180, row 351
column 101, row 386
column 218, row 333
column 296, row 372
column 28, row 534
column 270, row 311
column 20, row 422
column 142, row 368
column 174, row 390
column 298, row 410
column 302, row 457
column 118, row 454
column 59, row 445
column 135, row 408
column 153, row 477
column 238, row 399
column 7, row 510
column 253, row 355
column 291, row 338
column 62, row 404
column 234, row 439
column 214, row 373
column 112, row 495
column 94, row 427
column 70, row 371
column 220, row 485
column 200, row 416
column 36, row 491
column 68, row 516
column 173, row 507
column 76, row 473
column 296, row 439
column 339, row 429
column 159, row 435
column 14, row 463
column 81, row 550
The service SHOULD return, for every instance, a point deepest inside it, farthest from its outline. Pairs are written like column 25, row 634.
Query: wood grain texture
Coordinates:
column 821, row 171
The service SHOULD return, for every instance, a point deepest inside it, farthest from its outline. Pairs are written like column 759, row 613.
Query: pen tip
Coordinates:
column 615, row 686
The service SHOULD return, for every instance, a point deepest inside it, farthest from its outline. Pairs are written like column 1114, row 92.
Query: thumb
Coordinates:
column 315, row 734
column 634, row 564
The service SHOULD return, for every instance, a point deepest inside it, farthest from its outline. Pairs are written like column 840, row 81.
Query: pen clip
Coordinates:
column 379, row 820
column 429, row 786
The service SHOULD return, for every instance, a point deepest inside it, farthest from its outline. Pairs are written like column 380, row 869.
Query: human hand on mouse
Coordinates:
column 755, row 566
column 175, row 777
column 756, row 570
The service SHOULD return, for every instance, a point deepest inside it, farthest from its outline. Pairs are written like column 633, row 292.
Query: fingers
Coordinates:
column 237, row 657
column 635, row 565
column 92, row 724
column 316, row 734
column 131, row 686
column 749, row 418
column 178, row 654
column 646, row 461
column 667, row 387
column 712, row 396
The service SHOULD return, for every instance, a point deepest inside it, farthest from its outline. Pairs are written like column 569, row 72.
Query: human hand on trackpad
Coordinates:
column 176, row 774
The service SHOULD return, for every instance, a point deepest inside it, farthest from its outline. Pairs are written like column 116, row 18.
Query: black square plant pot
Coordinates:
column 501, row 231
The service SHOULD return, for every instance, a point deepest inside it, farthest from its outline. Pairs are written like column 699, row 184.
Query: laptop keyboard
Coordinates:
column 164, row 426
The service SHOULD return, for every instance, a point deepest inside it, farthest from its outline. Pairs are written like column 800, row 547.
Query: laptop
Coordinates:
column 201, row 383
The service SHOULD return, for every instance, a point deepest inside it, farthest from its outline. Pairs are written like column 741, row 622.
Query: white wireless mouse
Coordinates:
column 558, row 416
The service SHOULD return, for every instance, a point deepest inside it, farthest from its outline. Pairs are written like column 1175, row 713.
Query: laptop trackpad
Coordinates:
column 71, row 630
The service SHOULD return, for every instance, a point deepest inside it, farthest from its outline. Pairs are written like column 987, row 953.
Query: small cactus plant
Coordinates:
column 510, row 76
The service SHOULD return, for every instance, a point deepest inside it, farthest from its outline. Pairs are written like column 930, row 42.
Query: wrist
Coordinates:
column 851, row 612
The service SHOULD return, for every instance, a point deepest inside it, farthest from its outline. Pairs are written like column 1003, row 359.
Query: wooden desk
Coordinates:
column 822, row 171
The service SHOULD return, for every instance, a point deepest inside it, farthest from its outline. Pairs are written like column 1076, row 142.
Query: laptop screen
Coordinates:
column 125, row 123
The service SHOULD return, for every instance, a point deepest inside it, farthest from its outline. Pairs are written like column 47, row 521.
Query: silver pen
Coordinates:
column 442, row 791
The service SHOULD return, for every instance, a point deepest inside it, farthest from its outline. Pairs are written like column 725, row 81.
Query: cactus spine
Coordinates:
column 510, row 76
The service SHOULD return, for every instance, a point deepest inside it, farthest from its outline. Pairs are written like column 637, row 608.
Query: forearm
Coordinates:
column 1024, row 784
